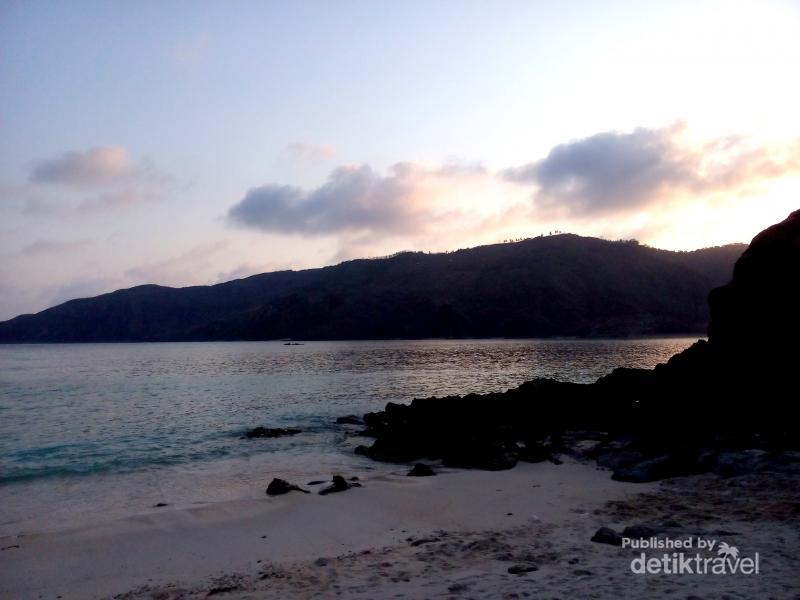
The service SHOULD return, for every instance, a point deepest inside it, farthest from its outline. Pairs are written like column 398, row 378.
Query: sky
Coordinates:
column 190, row 143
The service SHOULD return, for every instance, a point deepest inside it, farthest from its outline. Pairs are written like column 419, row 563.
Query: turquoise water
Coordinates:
column 72, row 410
column 98, row 432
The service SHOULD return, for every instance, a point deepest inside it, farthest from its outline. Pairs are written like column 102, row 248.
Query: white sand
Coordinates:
column 360, row 543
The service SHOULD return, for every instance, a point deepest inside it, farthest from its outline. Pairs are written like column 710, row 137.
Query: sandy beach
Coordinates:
column 520, row 533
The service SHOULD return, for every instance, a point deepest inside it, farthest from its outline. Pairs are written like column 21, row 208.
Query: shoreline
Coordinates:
column 699, row 334
column 185, row 546
column 451, row 535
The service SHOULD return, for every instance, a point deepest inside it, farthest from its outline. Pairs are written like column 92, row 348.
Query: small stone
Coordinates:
column 421, row 470
column 277, row 487
column 339, row 485
column 522, row 569
column 606, row 535
column 422, row 541
column 350, row 420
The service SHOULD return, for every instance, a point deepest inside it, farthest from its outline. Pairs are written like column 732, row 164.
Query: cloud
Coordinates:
column 311, row 152
column 96, row 166
column 611, row 171
column 354, row 199
column 118, row 199
column 47, row 248
column 459, row 168
column 107, row 172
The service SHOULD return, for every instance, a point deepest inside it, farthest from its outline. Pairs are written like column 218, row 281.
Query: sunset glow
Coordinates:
column 200, row 149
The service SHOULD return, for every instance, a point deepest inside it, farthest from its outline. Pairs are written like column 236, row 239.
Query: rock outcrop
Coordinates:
column 734, row 392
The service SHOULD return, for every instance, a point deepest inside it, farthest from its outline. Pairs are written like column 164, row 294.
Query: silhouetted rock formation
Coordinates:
column 562, row 285
column 756, row 314
column 699, row 412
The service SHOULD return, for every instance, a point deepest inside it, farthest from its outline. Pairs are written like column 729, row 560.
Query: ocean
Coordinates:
column 113, row 429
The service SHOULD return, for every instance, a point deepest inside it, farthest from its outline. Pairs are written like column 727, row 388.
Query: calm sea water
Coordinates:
column 110, row 426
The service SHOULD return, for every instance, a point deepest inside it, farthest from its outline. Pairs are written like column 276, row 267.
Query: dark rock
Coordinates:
column 225, row 589
column 339, row 485
column 160, row 505
column 606, row 535
column 350, row 420
column 533, row 452
column 421, row 470
column 422, row 541
column 392, row 447
column 489, row 455
column 277, row 487
column 315, row 482
column 749, row 314
column 522, row 569
column 267, row 432
column 683, row 417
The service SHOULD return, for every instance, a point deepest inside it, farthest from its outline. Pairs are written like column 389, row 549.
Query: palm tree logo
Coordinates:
column 726, row 551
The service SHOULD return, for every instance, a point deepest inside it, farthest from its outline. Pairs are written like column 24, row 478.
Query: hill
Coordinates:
column 562, row 285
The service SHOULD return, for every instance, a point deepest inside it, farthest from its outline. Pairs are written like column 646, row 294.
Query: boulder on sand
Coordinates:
column 278, row 487
column 340, row 484
column 421, row 470
column 606, row 535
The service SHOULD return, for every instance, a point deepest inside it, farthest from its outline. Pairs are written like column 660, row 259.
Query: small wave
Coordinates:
column 141, row 454
column 79, row 467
